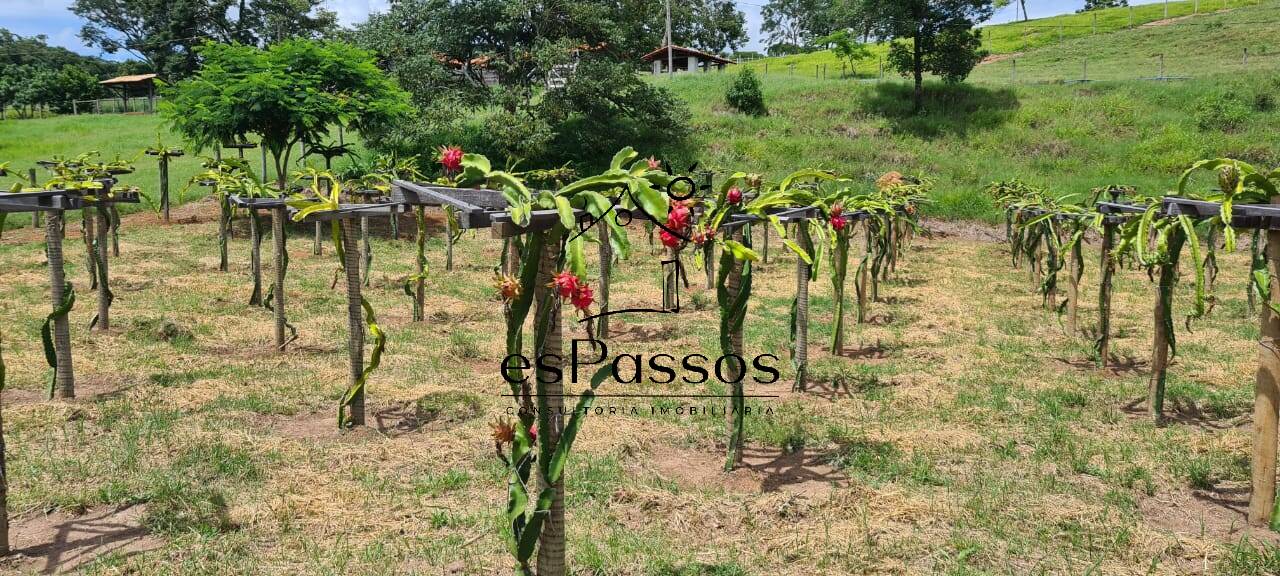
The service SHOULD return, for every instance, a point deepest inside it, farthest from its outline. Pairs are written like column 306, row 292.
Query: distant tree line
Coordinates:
column 36, row 77
column 483, row 79
column 165, row 33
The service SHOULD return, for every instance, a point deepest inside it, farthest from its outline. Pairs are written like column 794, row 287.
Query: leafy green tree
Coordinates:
column 846, row 47
column 10, row 81
column 715, row 26
column 931, row 36
column 745, row 95
column 287, row 93
column 632, row 111
column 166, row 33
column 796, row 22
column 1099, row 4
column 488, row 91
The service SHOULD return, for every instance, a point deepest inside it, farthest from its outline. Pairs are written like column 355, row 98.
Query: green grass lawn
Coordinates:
column 1067, row 138
column 25, row 142
column 1054, row 49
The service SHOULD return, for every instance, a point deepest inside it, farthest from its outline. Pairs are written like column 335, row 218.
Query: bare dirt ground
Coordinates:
column 961, row 430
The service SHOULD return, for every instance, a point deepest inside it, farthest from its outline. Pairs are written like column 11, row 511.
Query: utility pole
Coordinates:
column 671, row 71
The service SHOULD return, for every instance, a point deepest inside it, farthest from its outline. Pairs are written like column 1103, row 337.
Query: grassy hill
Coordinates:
column 1067, row 137
column 1144, row 32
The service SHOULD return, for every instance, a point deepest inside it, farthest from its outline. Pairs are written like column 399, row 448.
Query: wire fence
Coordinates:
column 1070, row 62
column 136, row 105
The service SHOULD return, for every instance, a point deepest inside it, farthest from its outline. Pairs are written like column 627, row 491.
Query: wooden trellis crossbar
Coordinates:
column 1119, row 208
column 122, row 197
column 42, row 201
column 256, row 203
column 352, row 211
column 475, row 208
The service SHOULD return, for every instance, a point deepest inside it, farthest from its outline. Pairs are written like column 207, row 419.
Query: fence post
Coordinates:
column 1015, row 70
column 1131, row 16
column 1086, row 71
column 35, row 216
column 1060, row 32
column 1246, row 55
column 1166, row 8
column 1095, row 22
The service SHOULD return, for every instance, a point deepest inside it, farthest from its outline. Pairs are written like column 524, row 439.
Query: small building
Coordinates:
column 134, row 86
column 684, row 60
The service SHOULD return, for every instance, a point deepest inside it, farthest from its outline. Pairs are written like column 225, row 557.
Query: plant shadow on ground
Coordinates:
column 1182, row 413
column 60, row 542
column 1118, row 366
column 949, row 110
column 446, row 407
column 797, row 469
column 877, row 351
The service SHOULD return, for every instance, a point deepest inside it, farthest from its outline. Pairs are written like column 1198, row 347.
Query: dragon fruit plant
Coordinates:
column 553, row 270
column 747, row 194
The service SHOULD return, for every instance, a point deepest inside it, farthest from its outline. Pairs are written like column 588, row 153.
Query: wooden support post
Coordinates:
column 355, row 316
column 734, row 415
column 224, row 230
column 317, row 245
column 103, row 248
column 1107, row 268
column 864, row 276
column 670, row 278
column 35, row 216
column 1160, row 344
column 1073, row 286
column 448, row 240
column 764, row 254
column 278, row 216
column 551, row 553
column 64, row 385
column 606, row 270
column 420, row 243
column 255, row 257
column 366, row 249
column 164, row 186
column 87, row 230
column 709, row 262
column 115, row 231
column 802, row 307
column 1266, row 395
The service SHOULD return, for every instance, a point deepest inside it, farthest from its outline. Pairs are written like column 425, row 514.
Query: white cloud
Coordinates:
column 32, row 9
column 355, row 11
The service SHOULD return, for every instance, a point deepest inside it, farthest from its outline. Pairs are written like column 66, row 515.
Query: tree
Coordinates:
column 1100, row 4
column 1023, row 3
column 935, row 36
column 166, row 33
column 714, row 26
column 463, row 61
column 745, row 95
column 846, row 47
column 290, row 92
column 795, row 22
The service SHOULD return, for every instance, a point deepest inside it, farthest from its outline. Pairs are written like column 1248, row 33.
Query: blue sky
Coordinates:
column 51, row 17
